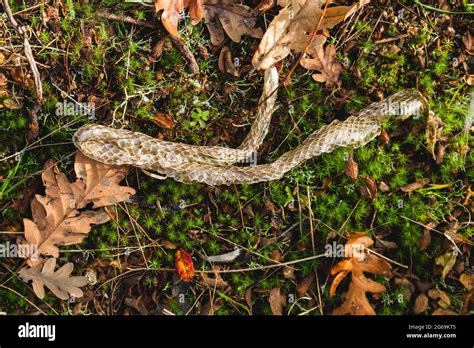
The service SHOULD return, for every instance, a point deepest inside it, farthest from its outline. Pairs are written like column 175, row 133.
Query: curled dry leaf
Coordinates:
column 355, row 300
column 61, row 283
column 226, row 63
column 324, row 61
column 446, row 261
column 291, row 29
column 232, row 18
column 57, row 218
column 426, row 239
column 352, row 168
column 434, row 127
column 171, row 10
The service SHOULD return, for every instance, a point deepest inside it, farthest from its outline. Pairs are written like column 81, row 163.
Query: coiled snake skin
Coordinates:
column 214, row 165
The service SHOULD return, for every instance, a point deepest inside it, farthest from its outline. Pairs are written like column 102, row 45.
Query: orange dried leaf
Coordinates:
column 184, row 265
column 360, row 261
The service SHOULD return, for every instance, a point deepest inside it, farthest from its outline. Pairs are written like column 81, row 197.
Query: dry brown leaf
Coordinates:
column 172, row 9
column 352, row 168
column 216, row 281
column 426, row 239
column 232, row 18
column 355, row 300
column 277, row 300
column 323, row 60
column 421, row 304
column 226, row 63
column 434, row 127
column 56, row 216
column 291, row 29
column 305, row 284
column 467, row 279
column 415, row 185
column 468, row 41
column 61, row 283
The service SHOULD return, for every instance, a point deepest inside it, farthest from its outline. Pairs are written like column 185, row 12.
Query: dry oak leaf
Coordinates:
column 56, row 216
column 291, row 29
column 61, row 283
column 232, row 18
column 172, row 9
column 355, row 300
column 324, row 61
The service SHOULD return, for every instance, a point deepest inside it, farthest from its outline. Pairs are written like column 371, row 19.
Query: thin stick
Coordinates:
column 180, row 45
column 126, row 19
column 287, row 78
column 33, row 127
column 188, row 55
column 386, row 258
column 23, row 297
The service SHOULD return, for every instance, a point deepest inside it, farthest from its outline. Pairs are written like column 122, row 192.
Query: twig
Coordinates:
column 188, row 55
column 180, row 45
column 33, row 127
column 126, row 19
column 391, row 39
column 386, row 258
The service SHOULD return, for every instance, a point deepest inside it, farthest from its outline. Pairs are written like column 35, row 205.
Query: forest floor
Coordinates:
column 416, row 209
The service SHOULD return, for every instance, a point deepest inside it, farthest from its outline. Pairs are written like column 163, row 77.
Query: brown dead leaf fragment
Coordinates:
column 56, row 216
column 277, row 300
column 352, row 168
column 468, row 41
column 61, row 283
column 232, row 18
column 216, row 281
column 415, row 185
column 426, row 239
column 434, row 127
column 172, row 9
column 291, row 29
column 226, row 63
column 467, row 279
column 421, row 304
column 324, row 61
column 355, row 300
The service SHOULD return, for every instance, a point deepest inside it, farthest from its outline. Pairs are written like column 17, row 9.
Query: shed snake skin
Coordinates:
column 215, row 165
